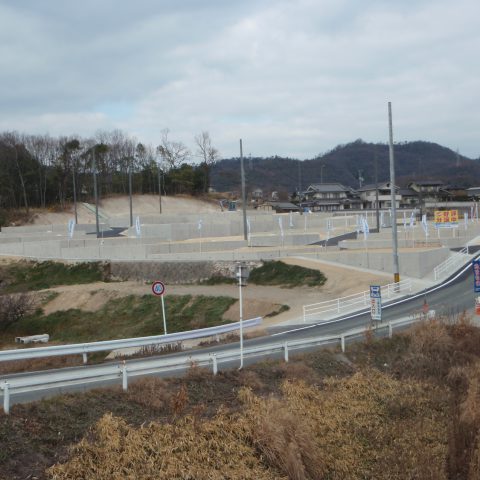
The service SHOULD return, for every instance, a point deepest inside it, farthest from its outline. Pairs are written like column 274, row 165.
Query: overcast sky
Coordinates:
column 292, row 78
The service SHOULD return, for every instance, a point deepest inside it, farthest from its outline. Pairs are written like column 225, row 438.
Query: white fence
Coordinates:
column 355, row 301
column 451, row 263
column 108, row 345
column 41, row 381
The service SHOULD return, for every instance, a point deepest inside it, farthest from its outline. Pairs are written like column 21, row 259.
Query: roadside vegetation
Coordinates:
column 402, row 408
column 25, row 276
column 130, row 316
column 280, row 274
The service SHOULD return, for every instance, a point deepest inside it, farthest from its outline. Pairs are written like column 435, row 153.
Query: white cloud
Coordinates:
column 290, row 78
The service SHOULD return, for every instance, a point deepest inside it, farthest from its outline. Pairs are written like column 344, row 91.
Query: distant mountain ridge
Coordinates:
column 344, row 164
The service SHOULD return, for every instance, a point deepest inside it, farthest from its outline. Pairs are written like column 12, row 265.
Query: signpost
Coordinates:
column 158, row 289
column 376, row 302
column 476, row 284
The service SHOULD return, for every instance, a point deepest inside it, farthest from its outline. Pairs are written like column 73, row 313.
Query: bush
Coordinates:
column 14, row 307
column 279, row 273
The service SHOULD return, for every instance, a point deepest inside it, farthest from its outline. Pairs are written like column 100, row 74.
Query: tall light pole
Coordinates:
column 242, row 275
column 74, row 194
column 159, row 187
column 244, row 196
column 396, row 274
column 95, row 191
column 130, row 190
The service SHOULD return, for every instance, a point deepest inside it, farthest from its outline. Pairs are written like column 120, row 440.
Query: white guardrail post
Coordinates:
column 214, row 363
column 285, row 351
column 342, row 342
column 390, row 330
column 124, row 377
column 6, row 398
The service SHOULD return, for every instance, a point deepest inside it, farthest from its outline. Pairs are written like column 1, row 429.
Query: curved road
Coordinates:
column 454, row 296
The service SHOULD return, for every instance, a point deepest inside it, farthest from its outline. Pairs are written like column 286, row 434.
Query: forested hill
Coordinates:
column 343, row 164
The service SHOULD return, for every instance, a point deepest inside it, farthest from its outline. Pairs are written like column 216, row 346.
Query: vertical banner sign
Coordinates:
column 476, row 275
column 280, row 224
column 404, row 220
column 291, row 220
column 412, row 219
column 138, row 228
column 425, row 224
column 248, row 229
column 376, row 302
column 200, row 223
column 366, row 229
column 381, row 219
column 465, row 218
column 71, row 227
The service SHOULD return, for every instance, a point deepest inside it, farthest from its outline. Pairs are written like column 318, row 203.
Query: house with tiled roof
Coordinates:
column 330, row 197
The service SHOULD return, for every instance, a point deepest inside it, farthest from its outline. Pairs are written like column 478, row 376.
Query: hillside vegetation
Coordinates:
column 400, row 408
column 413, row 160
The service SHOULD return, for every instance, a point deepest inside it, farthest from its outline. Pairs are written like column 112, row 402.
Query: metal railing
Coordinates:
column 451, row 263
column 125, row 370
column 108, row 345
column 355, row 301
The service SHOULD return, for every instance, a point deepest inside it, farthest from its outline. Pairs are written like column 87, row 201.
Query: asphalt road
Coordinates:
column 454, row 296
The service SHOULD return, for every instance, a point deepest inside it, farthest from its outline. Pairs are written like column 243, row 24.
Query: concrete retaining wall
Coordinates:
column 174, row 272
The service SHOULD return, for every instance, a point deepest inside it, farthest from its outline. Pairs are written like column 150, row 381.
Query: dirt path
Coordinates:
column 258, row 300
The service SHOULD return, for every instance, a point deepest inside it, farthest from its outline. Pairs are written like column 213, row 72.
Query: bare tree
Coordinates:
column 208, row 155
column 173, row 154
column 12, row 140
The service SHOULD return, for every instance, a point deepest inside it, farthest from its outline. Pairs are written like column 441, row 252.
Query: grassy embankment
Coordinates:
column 400, row 408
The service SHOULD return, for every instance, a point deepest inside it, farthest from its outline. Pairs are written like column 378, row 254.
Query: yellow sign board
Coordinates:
column 446, row 217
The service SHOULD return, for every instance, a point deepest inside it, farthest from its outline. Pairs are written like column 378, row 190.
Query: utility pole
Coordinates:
column 74, row 194
column 375, row 164
column 130, row 191
column 244, row 197
column 159, row 187
column 396, row 274
column 95, row 191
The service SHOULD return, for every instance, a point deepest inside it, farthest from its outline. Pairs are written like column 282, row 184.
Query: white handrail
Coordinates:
column 450, row 263
column 356, row 300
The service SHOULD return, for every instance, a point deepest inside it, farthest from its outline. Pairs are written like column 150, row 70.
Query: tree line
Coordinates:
column 41, row 170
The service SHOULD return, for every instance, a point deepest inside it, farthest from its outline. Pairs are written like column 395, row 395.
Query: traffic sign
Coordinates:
column 376, row 302
column 158, row 288
column 476, row 275
column 375, row 291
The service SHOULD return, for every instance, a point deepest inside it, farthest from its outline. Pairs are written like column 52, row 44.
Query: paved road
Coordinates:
column 454, row 296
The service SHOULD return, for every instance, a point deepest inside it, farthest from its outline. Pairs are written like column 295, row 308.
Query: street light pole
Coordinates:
column 159, row 187
column 242, row 275
column 95, row 192
column 244, row 197
column 130, row 191
column 74, row 194
column 396, row 274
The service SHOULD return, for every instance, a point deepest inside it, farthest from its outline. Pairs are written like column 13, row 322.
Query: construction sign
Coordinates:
column 446, row 218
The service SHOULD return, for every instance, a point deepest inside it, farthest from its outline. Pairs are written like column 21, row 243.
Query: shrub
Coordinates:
column 13, row 307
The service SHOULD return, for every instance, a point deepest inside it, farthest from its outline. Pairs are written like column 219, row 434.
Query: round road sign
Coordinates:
column 158, row 288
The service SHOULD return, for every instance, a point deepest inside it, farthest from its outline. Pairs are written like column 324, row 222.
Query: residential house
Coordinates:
column 330, row 197
column 430, row 190
column 368, row 196
column 279, row 207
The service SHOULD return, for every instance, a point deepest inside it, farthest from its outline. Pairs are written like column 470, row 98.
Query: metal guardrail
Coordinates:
column 85, row 348
column 449, row 265
column 356, row 300
column 126, row 370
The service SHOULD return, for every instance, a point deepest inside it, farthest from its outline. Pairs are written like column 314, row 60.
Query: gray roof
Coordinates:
column 427, row 182
column 371, row 186
column 329, row 187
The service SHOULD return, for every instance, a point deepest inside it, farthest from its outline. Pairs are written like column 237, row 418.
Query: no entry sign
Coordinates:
column 158, row 288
